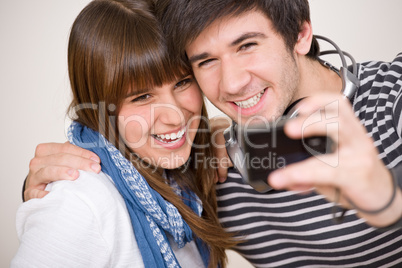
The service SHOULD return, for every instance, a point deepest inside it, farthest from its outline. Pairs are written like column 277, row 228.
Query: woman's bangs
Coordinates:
column 150, row 65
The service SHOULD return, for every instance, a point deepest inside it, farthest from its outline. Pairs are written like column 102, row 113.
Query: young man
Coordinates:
column 255, row 59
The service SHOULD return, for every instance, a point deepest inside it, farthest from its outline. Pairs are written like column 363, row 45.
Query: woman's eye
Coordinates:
column 141, row 98
column 185, row 83
column 247, row 46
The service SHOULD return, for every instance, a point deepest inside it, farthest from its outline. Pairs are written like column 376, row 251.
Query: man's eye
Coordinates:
column 205, row 62
column 185, row 83
column 141, row 98
column 247, row 46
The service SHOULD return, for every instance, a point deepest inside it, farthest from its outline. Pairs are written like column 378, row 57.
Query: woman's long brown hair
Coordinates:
column 115, row 45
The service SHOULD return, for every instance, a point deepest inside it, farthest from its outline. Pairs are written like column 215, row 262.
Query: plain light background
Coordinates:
column 34, row 91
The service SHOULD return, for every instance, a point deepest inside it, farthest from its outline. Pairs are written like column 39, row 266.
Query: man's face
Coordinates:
column 244, row 68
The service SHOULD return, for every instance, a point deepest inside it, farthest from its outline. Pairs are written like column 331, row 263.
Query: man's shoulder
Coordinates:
column 377, row 70
column 378, row 105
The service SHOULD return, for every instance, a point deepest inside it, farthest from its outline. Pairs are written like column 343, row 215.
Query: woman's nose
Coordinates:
column 168, row 113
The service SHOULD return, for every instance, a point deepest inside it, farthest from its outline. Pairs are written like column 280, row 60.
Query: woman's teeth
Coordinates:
column 250, row 102
column 172, row 137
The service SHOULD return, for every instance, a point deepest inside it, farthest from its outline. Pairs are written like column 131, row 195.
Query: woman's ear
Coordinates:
column 304, row 39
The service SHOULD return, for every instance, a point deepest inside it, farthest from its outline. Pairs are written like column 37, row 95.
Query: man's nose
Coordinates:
column 234, row 77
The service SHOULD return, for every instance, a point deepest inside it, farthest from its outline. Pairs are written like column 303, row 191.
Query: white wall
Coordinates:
column 34, row 85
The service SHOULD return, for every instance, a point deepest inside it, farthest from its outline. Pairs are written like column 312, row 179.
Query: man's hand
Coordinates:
column 57, row 161
column 354, row 167
column 218, row 125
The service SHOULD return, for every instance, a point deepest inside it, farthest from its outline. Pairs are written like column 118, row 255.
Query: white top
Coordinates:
column 83, row 223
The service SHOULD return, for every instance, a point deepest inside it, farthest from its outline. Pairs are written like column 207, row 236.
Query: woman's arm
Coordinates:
column 61, row 229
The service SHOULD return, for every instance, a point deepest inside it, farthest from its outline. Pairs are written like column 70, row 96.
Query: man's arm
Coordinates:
column 353, row 170
column 56, row 161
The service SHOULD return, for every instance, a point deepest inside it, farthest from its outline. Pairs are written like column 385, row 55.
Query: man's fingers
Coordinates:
column 306, row 174
column 76, row 150
column 57, row 161
column 52, row 173
column 224, row 163
column 218, row 125
column 36, row 183
column 53, row 168
column 65, row 160
column 222, row 173
column 46, row 149
column 318, row 123
column 34, row 193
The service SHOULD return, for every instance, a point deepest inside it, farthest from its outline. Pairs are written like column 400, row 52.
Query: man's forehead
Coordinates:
column 231, row 30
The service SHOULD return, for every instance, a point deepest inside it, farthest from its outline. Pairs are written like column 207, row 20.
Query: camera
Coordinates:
column 257, row 150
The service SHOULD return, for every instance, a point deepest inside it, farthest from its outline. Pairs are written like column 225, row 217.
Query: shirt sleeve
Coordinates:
column 59, row 230
column 397, row 109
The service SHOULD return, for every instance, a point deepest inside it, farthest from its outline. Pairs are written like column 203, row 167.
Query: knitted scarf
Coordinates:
column 151, row 215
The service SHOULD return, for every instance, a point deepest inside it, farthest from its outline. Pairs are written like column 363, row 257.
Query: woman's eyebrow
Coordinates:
column 139, row 91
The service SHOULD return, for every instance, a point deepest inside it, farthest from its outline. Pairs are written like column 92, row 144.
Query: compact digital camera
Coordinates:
column 257, row 150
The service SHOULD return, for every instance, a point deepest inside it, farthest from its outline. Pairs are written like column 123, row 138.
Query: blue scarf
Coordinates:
column 151, row 215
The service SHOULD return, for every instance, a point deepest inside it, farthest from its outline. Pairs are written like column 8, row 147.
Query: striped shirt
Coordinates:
column 286, row 229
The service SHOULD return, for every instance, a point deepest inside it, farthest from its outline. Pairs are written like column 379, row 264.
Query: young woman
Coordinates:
column 153, row 204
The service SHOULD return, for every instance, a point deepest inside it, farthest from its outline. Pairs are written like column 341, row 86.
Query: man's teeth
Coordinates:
column 251, row 101
column 170, row 137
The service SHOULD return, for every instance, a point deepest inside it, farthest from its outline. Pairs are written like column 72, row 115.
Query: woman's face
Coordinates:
column 159, row 124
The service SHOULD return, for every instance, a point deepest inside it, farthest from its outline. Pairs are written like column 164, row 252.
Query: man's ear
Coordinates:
column 304, row 39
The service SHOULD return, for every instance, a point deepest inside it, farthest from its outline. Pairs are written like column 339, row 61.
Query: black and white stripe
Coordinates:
column 378, row 105
column 286, row 229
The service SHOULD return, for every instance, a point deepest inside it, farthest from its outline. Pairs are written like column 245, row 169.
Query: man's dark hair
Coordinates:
column 184, row 20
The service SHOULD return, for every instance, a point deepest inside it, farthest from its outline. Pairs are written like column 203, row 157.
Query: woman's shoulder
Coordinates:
column 85, row 200
column 89, row 188
column 85, row 182
column 81, row 217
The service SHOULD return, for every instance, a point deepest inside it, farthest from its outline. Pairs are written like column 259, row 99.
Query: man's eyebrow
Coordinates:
column 246, row 36
column 237, row 41
column 198, row 57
